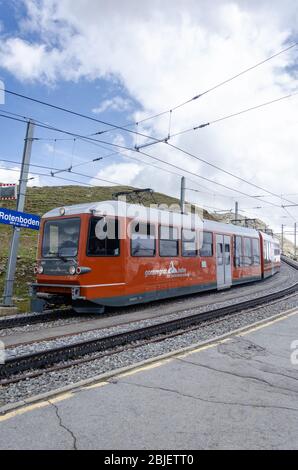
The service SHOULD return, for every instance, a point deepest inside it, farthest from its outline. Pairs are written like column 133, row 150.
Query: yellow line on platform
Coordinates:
column 137, row 369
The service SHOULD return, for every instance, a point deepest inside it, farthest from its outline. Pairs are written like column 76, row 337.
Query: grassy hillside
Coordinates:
column 39, row 201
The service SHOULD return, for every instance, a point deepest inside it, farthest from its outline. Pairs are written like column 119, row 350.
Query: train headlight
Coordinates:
column 72, row 270
column 39, row 269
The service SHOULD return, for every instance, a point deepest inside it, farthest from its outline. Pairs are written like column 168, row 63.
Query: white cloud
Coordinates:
column 115, row 104
column 12, row 176
column 21, row 58
column 166, row 52
column 123, row 173
column 50, row 148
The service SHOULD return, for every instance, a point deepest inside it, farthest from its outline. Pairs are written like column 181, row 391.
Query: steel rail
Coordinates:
column 290, row 262
column 44, row 359
column 33, row 318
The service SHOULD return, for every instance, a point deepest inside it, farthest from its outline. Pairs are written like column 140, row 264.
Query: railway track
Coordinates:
column 49, row 316
column 290, row 261
column 34, row 318
column 36, row 363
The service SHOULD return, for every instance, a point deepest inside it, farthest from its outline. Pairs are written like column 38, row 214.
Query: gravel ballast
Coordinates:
column 50, row 381
column 285, row 278
column 99, row 333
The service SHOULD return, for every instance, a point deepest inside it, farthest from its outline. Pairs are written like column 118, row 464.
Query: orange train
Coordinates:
column 117, row 254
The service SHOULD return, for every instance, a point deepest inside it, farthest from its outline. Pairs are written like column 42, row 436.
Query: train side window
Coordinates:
column 271, row 252
column 227, row 254
column 168, row 241
column 189, row 243
column 256, row 251
column 247, row 252
column 103, row 237
column 267, row 257
column 143, row 241
column 207, row 245
column 237, row 251
column 219, row 254
column 265, row 252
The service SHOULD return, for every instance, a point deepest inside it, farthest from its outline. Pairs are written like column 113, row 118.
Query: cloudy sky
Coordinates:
column 121, row 62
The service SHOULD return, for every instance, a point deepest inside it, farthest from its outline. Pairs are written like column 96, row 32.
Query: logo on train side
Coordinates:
column 171, row 271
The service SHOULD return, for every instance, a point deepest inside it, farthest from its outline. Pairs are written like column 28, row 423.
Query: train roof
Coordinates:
column 123, row 209
column 213, row 226
column 268, row 237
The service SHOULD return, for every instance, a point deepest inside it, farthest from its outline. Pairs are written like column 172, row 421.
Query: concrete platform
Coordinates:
column 237, row 393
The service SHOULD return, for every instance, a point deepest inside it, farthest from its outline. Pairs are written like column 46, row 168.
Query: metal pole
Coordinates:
column 282, row 238
column 236, row 212
column 182, row 195
column 12, row 261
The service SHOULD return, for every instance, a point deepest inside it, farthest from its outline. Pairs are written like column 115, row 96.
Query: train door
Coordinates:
column 223, row 261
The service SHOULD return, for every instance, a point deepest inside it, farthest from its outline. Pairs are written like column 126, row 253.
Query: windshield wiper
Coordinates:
column 62, row 257
column 58, row 255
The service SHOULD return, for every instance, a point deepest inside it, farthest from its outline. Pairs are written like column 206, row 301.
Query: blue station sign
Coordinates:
column 19, row 219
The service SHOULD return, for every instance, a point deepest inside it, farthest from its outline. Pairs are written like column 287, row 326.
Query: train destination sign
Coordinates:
column 19, row 219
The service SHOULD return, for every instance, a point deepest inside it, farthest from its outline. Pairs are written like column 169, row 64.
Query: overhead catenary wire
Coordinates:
column 109, row 155
column 229, row 116
column 225, row 117
column 222, row 195
column 117, row 183
column 154, row 158
column 47, row 175
column 74, row 113
column 203, row 160
column 127, row 156
column 57, row 169
column 229, row 173
column 187, row 130
column 55, row 176
column 178, row 148
column 247, row 209
column 75, row 173
column 82, row 183
column 89, row 184
column 289, row 214
column 113, row 126
column 214, row 87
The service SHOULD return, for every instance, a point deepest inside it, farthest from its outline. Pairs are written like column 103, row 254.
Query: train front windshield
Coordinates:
column 61, row 238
